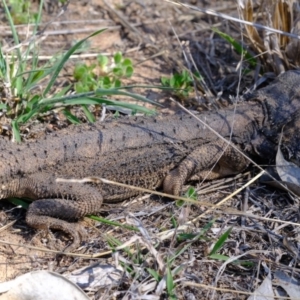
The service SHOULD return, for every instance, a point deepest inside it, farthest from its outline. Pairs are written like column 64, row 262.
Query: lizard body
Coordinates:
column 145, row 152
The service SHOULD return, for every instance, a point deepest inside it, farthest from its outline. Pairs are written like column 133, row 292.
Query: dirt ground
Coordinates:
column 154, row 34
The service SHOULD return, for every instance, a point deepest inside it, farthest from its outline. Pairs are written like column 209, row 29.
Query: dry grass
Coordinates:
column 167, row 256
column 278, row 52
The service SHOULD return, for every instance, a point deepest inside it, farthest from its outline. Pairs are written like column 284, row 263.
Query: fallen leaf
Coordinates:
column 264, row 291
column 289, row 284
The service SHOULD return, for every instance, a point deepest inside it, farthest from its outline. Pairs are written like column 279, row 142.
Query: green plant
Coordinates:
column 191, row 193
column 238, row 48
column 170, row 284
column 102, row 74
column 21, row 84
column 182, row 83
column 219, row 244
column 20, row 11
column 22, row 78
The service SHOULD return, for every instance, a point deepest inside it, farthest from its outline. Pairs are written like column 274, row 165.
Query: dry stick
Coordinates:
column 229, row 196
column 79, row 56
column 7, row 225
column 209, row 187
column 228, row 145
column 86, row 256
column 107, row 26
column 39, row 34
column 163, row 235
column 123, row 20
column 75, row 31
column 106, row 181
column 245, row 200
column 229, row 211
column 200, row 285
column 56, row 23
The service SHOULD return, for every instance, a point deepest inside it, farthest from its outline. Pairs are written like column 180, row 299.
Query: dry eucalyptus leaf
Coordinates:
column 286, row 186
column 264, row 291
column 287, row 171
column 289, row 284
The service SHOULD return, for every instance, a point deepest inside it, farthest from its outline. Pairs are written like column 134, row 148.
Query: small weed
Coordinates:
column 102, row 74
column 170, row 285
column 182, row 83
column 238, row 48
column 20, row 12
column 182, row 237
column 113, row 223
column 22, row 78
column 191, row 193
column 154, row 274
column 24, row 100
column 219, row 244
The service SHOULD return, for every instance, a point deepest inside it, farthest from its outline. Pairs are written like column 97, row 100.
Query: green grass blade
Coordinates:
column 117, row 91
column 154, row 274
column 113, row 243
column 113, row 223
column 170, row 284
column 81, row 99
column 206, row 227
column 3, row 66
column 219, row 244
column 14, row 32
column 73, row 119
column 64, row 59
column 88, row 114
column 237, row 46
column 39, row 17
column 16, row 131
column 219, row 257
column 195, row 238
column 174, row 222
column 19, row 202
column 25, row 117
column 133, row 107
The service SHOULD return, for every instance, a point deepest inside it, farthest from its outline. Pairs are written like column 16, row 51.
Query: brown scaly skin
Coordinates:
column 146, row 152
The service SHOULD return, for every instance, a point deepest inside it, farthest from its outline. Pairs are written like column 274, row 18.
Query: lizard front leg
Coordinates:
column 209, row 161
column 56, row 203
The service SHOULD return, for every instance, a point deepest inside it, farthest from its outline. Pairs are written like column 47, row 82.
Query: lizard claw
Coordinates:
column 45, row 223
column 79, row 235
